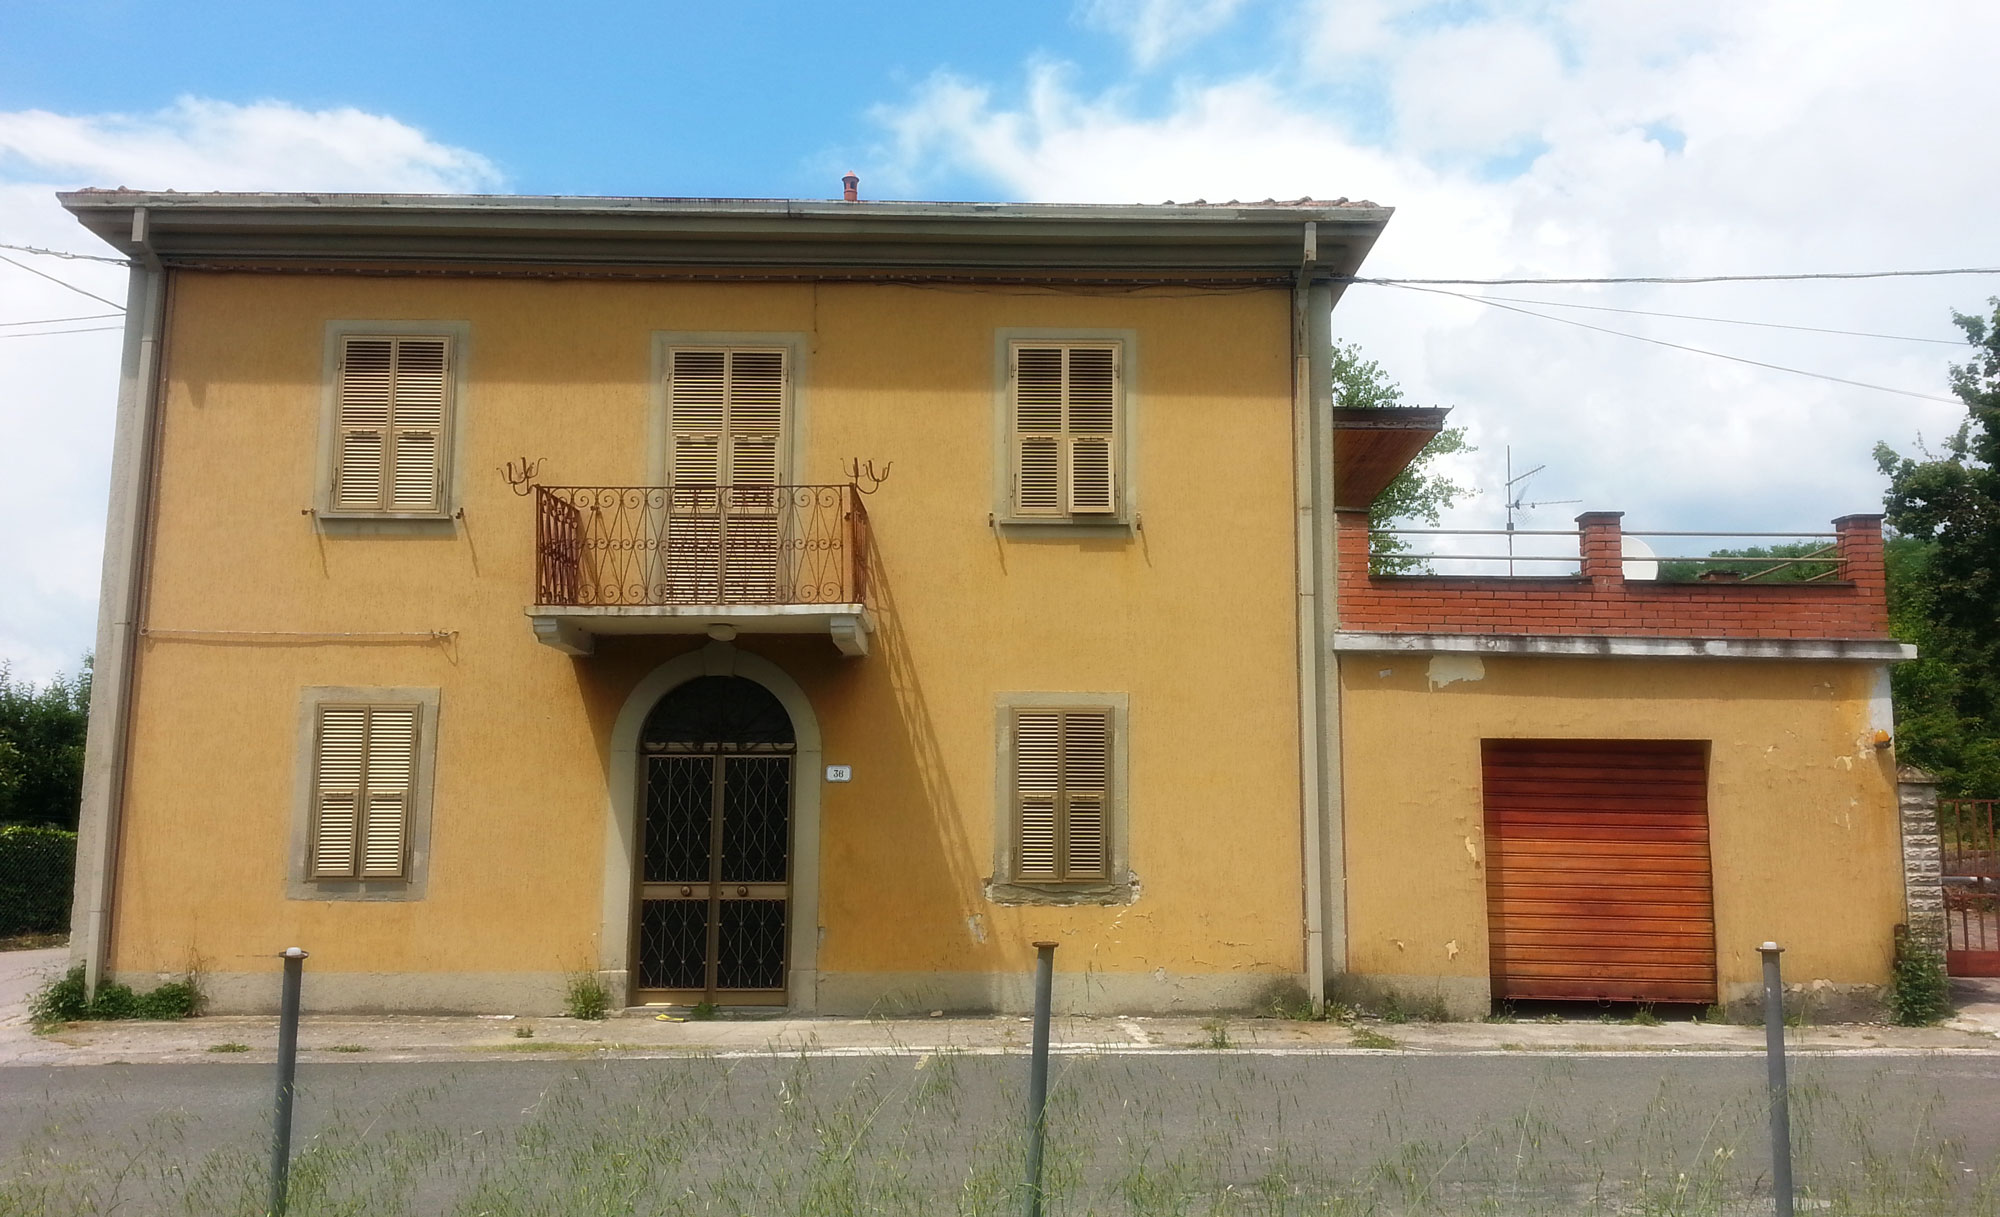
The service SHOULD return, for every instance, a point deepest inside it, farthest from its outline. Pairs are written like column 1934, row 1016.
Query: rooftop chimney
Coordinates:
column 850, row 186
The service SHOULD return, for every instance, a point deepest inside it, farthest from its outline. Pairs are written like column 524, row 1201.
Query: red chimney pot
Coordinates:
column 850, row 187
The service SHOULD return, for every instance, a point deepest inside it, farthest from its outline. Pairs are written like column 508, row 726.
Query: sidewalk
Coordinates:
column 638, row 1033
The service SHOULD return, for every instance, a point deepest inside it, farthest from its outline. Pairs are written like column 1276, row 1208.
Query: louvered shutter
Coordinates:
column 727, row 455
column 364, row 777
column 1066, row 402
column 366, row 391
column 1038, row 430
column 417, row 453
column 1062, row 782
column 391, row 417
column 392, row 771
column 1086, row 773
column 1038, row 783
column 340, row 769
column 1093, row 424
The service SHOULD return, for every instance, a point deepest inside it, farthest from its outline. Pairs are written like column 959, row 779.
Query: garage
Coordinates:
column 1598, row 877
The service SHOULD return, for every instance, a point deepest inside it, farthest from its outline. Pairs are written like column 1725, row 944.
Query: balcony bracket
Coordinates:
column 565, row 636
column 850, row 633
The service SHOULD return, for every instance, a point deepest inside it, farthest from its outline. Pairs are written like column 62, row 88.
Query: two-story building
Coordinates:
column 815, row 603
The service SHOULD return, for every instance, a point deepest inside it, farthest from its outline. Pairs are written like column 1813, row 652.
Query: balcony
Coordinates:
column 715, row 560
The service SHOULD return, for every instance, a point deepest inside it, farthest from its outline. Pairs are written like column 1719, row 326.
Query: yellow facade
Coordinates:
column 1191, row 615
column 1803, row 827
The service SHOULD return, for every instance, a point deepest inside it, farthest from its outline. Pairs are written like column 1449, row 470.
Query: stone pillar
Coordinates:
column 1602, row 547
column 1923, row 883
column 1859, row 542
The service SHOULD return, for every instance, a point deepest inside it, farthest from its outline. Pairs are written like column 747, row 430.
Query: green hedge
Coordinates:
column 37, row 871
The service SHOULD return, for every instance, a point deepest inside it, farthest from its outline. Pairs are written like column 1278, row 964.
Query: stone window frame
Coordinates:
column 1125, row 520
column 299, row 883
column 1003, row 887
column 347, row 522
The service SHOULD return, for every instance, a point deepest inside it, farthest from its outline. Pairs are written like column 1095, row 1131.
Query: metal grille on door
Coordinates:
column 716, row 856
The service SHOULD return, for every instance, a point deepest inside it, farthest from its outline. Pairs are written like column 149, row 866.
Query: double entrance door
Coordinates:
column 715, row 874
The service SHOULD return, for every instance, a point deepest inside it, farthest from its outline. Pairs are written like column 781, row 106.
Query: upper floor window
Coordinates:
column 726, row 415
column 392, row 420
column 1067, row 404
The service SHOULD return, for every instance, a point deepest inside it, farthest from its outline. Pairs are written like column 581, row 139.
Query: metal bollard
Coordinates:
column 288, row 1067
column 1038, row 1072
column 1774, row 1056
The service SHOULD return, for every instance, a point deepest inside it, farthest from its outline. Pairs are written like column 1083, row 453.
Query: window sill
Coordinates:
column 355, row 889
column 1014, row 892
column 383, row 523
column 1101, row 526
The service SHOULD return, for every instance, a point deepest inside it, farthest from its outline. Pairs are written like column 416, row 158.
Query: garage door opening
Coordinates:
column 1598, row 878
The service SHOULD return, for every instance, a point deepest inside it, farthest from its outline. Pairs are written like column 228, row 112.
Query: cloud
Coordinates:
column 1582, row 139
column 61, row 389
column 1154, row 29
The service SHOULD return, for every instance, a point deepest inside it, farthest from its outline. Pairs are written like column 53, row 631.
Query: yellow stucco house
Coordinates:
column 813, row 604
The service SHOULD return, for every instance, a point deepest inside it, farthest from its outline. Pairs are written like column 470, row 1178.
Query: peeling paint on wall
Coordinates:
column 1471, row 851
column 1451, row 949
column 1445, row 669
column 977, row 924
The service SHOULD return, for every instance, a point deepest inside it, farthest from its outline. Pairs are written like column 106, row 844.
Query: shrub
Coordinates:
column 65, row 1000
column 587, row 997
column 37, row 871
column 1919, row 993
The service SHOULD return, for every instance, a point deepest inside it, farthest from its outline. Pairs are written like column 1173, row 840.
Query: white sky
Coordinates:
column 1615, row 137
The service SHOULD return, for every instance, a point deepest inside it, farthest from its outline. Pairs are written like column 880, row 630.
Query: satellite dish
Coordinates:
column 1640, row 560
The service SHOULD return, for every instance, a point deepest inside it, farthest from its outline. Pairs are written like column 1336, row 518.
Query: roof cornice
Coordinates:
column 1264, row 239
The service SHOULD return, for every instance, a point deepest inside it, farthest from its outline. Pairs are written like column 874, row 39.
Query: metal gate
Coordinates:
column 715, row 855
column 1970, row 853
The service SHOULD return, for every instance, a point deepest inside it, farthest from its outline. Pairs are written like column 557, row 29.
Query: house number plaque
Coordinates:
column 840, row 773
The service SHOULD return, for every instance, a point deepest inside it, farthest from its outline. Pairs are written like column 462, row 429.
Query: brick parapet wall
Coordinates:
column 1601, row 600
column 1923, row 868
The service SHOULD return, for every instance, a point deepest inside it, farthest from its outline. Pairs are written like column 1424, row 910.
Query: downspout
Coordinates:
column 107, row 746
column 1305, row 492
column 1331, row 815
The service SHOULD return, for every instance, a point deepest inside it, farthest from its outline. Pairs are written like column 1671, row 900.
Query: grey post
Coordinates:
column 288, row 1067
column 1038, row 1072
column 1774, row 1055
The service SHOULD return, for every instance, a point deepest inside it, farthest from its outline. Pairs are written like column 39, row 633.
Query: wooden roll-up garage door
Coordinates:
column 1597, row 879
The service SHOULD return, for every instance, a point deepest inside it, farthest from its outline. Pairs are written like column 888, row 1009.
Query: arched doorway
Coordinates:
column 715, row 845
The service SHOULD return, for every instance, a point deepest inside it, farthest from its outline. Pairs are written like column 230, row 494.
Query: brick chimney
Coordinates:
column 850, row 186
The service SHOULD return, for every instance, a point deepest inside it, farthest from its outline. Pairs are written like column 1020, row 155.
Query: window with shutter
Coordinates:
column 1062, row 794
column 726, row 434
column 1066, row 428
column 364, row 784
column 392, row 413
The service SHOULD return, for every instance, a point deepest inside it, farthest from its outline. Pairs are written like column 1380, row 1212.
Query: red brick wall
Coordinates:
column 1600, row 601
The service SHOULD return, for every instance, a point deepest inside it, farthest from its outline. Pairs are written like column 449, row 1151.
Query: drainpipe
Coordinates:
column 119, row 613
column 1305, row 490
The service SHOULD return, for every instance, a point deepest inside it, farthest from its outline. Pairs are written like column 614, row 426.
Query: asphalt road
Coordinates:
column 905, row 1133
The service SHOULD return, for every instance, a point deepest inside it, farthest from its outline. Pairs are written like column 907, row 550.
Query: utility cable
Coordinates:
column 71, row 286
column 1755, row 363
column 60, row 253
column 58, row 320
column 1770, row 325
column 99, row 329
column 1847, row 274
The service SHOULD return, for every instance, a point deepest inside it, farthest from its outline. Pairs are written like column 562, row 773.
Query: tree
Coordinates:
column 1944, row 580
column 41, row 748
column 1419, row 493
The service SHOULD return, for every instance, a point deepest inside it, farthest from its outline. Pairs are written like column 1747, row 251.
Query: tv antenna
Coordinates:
column 1517, row 500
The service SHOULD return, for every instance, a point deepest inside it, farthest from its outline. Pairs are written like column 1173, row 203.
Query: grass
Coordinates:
column 1365, row 1038
column 1222, row 1135
column 33, row 942
column 66, row 999
column 347, row 1048
column 1215, row 1034
column 586, row 997
column 229, row 1047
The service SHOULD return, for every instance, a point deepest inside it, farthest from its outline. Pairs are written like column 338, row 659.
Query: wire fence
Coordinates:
column 37, row 873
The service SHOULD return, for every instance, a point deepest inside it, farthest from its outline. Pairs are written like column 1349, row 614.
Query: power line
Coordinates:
column 1771, row 325
column 59, row 320
column 97, row 329
column 1845, row 274
column 71, row 286
column 60, row 253
column 1755, row 363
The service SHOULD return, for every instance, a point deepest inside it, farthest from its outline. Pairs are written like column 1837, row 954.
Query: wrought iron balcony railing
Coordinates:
column 699, row 545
